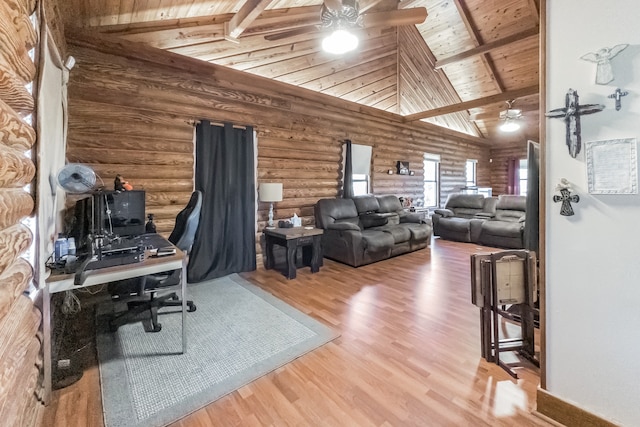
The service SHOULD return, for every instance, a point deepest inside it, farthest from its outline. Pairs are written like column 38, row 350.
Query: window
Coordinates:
column 360, row 184
column 523, row 176
column 361, row 168
column 471, row 173
column 431, row 180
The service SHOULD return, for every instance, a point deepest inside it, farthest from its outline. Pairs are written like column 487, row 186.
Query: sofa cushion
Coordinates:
column 377, row 241
column 328, row 211
column 400, row 233
column 511, row 208
column 512, row 202
column 366, row 204
column 460, row 200
column 389, row 203
column 465, row 212
column 508, row 215
column 502, row 228
column 454, row 224
column 419, row 232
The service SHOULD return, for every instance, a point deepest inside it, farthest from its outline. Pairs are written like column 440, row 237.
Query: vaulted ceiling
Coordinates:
column 456, row 69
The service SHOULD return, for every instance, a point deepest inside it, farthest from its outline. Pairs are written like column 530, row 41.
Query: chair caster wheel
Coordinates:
column 157, row 328
column 192, row 307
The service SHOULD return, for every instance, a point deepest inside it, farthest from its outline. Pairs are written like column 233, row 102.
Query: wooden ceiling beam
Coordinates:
column 485, row 48
column 475, row 103
column 248, row 13
column 467, row 20
column 370, row 5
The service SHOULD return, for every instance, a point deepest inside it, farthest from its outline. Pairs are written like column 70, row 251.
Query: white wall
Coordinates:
column 593, row 258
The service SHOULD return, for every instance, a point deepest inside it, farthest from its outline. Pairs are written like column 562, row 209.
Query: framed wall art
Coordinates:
column 612, row 166
column 403, row 168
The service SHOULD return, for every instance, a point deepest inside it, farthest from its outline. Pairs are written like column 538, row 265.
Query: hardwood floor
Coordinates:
column 408, row 355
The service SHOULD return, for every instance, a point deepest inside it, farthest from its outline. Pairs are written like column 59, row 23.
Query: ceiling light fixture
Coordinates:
column 340, row 41
column 340, row 22
column 510, row 117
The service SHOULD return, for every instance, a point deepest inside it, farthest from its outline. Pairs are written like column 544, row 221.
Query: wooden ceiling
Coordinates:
column 457, row 69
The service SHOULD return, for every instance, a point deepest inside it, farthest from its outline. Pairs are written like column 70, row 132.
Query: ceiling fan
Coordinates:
column 346, row 15
column 510, row 118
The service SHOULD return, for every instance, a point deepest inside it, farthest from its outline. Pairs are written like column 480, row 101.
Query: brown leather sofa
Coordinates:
column 367, row 229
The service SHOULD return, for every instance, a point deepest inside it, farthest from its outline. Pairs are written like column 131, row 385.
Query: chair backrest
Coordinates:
column 187, row 221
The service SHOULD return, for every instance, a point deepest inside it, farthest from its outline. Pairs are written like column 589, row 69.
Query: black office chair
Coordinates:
column 182, row 237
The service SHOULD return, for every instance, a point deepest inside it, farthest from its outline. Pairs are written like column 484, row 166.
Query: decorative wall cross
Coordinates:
column 617, row 95
column 571, row 115
column 566, row 198
column 564, row 187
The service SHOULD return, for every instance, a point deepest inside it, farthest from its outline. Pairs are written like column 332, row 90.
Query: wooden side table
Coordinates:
column 293, row 238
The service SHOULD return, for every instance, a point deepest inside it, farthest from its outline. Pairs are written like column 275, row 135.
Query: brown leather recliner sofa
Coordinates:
column 474, row 218
column 367, row 229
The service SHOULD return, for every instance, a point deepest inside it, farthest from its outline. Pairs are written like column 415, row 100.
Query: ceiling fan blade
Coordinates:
column 290, row 33
column 393, row 18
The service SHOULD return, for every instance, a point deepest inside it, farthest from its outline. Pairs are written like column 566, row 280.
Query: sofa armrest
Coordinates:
column 343, row 226
column 443, row 212
column 412, row 217
column 484, row 215
column 374, row 219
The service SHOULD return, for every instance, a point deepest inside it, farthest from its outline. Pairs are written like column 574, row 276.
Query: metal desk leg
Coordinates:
column 183, row 295
column 46, row 332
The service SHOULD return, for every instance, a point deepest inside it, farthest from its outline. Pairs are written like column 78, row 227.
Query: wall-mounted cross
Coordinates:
column 571, row 114
column 617, row 95
column 566, row 198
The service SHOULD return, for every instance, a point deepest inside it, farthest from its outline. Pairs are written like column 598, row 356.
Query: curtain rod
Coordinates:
column 196, row 122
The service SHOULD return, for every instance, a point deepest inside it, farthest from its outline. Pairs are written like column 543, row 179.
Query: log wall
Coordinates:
column 500, row 166
column 132, row 109
column 20, row 343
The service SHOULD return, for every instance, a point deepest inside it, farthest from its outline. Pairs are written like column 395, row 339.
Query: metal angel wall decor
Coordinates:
column 571, row 115
column 603, row 57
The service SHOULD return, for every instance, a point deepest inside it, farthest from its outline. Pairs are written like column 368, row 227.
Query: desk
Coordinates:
column 64, row 282
column 292, row 239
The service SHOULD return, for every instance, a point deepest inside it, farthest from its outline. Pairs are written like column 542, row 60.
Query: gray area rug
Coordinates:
column 237, row 334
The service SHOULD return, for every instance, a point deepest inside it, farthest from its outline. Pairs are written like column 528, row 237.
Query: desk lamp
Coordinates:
column 270, row 192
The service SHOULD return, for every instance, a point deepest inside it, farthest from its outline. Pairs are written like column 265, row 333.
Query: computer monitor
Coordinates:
column 109, row 214
column 119, row 213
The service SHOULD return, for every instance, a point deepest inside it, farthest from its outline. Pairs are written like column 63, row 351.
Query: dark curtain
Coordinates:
column 532, row 224
column 347, row 189
column 225, row 241
column 513, row 176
